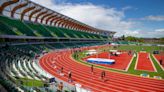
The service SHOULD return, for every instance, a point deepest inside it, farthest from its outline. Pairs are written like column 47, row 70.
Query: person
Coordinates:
column 129, row 53
column 135, row 55
column 147, row 56
column 58, row 70
column 103, row 75
column 115, row 54
column 92, row 69
column 61, row 71
column 69, row 76
column 142, row 49
column 160, row 61
column 60, row 87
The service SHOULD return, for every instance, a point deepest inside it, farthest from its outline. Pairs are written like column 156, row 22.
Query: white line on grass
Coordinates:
column 136, row 62
column 152, row 63
column 130, row 63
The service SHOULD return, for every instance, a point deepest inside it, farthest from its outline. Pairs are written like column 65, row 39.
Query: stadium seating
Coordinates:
column 40, row 29
column 11, row 26
column 18, row 61
column 17, row 26
column 4, row 29
column 55, row 31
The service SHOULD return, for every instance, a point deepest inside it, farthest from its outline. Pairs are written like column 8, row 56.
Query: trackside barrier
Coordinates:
column 79, row 88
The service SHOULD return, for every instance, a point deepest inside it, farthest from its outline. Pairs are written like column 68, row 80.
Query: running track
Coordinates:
column 116, row 82
column 121, row 61
column 144, row 62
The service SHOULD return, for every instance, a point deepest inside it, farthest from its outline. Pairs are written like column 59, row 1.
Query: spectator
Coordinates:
column 60, row 87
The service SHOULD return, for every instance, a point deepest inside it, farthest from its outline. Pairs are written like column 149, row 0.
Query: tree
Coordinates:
column 123, row 37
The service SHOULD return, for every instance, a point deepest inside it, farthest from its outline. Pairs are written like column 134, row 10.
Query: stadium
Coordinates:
column 42, row 50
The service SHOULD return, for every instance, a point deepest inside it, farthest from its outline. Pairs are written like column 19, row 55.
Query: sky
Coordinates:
column 139, row 18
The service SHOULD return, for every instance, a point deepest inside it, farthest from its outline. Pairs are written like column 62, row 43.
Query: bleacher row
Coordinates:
column 17, row 62
column 10, row 26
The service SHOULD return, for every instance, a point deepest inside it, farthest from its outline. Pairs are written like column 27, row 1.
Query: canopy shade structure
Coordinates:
column 27, row 10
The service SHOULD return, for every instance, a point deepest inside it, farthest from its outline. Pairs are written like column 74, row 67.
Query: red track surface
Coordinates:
column 115, row 82
column 144, row 62
column 158, row 57
column 121, row 61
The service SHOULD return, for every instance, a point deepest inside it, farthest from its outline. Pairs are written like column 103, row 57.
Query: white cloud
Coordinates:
column 159, row 30
column 154, row 18
column 157, row 33
column 96, row 16
column 150, row 18
column 127, row 8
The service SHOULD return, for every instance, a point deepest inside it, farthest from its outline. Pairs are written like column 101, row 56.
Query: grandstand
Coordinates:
column 35, row 42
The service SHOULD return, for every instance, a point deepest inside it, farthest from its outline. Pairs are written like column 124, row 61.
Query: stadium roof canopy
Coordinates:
column 29, row 11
